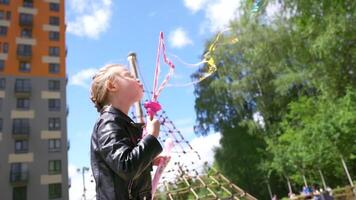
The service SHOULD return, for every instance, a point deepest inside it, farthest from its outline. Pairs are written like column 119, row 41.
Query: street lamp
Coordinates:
column 83, row 171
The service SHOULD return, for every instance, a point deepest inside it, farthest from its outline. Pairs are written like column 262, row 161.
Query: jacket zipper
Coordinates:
column 129, row 189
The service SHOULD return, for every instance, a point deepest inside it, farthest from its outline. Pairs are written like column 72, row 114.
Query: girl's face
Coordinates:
column 128, row 86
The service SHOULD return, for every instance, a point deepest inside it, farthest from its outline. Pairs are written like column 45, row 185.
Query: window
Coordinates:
column 54, row 7
column 26, row 19
column 5, row 47
column 21, row 126
column 22, row 85
column 3, row 30
column 2, row 65
column 2, row 83
column 8, row 15
column 54, row 167
column 54, row 123
column 1, row 124
column 21, row 146
column 54, row 191
column 54, row 104
column 26, row 32
column 19, row 172
column 53, row 35
column 53, row 68
column 28, row 3
column 5, row 2
column 23, row 103
column 54, row 85
column 25, row 67
column 54, row 21
column 54, row 145
column 53, row 51
column 19, row 193
column 24, row 50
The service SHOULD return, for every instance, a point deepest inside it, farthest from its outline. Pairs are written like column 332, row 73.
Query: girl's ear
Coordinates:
column 112, row 85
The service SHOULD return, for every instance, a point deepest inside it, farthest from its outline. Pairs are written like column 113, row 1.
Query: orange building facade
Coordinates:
column 36, row 25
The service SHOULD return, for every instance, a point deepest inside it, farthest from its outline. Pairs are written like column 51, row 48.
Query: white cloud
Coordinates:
column 179, row 38
column 76, row 178
column 218, row 13
column 195, row 5
column 78, row 5
column 82, row 78
column 89, row 18
column 187, row 130
column 205, row 146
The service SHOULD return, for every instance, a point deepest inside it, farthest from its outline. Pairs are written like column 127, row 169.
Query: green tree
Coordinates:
column 318, row 133
column 294, row 72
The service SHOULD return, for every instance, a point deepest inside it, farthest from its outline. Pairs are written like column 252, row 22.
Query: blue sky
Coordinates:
column 100, row 32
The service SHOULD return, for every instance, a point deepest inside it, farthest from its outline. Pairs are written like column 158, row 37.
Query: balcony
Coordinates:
column 23, row 55
column 22, row 91
column 22, row 88
column 26, row 20
column 28, row 4
column 21, row 128
column 24, row 52
column 19, row 178
column 21, row 132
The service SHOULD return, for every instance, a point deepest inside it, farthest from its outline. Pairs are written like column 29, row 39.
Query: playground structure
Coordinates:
column 187, row 176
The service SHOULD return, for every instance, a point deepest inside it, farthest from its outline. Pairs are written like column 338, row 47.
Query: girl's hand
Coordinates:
column 160, row 158
column 152, row 126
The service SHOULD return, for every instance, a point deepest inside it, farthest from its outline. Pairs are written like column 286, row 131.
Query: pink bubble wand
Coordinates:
column 163, row 162
column 152, row 107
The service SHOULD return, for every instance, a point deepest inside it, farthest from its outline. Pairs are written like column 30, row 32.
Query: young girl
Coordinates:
column 120, row 158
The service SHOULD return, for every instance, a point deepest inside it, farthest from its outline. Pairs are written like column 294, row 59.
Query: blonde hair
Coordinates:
column 98, row 89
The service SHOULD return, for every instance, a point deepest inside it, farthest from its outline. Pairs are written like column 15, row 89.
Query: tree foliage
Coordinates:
column 296, row 72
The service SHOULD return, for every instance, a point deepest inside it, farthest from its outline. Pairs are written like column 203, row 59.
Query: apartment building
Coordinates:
column 33, row 110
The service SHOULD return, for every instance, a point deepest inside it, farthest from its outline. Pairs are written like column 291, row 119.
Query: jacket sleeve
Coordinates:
column 116, row 149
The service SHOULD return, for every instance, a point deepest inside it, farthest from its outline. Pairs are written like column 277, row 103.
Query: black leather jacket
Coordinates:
column 120, row 159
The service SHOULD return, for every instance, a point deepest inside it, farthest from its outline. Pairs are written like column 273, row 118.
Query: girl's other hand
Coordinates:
column 152, row 126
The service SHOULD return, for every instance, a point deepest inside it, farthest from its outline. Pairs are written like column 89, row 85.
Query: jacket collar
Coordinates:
column 117, row 112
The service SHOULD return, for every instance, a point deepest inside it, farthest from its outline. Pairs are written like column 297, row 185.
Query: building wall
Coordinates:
column 40, row 37
column 38, row 155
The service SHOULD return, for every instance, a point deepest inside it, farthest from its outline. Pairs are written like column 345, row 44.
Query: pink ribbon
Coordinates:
column 152, row 107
